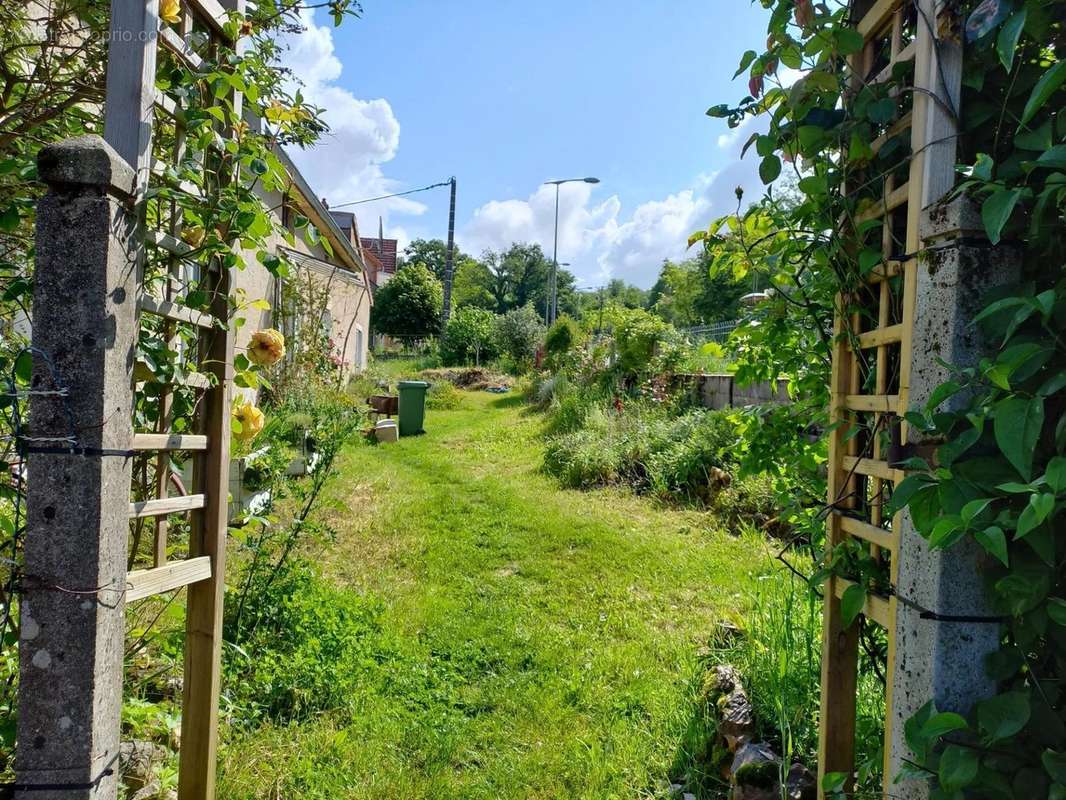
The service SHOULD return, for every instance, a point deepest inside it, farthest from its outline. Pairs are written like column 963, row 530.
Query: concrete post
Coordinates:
column 72, row 609
column 937, row 660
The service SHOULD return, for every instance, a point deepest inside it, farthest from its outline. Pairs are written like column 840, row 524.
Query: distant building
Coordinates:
column 385, row 254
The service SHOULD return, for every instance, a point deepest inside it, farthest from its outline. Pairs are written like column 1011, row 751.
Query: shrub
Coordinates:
column 561, row 338
column 676, row 458
column 518, row 332
column 691, row 460
column 469, row 337
column 752, row 499
column 443, row 395
column 645, row 344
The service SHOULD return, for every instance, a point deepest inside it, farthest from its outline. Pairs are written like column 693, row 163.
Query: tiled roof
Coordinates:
column 384, row 249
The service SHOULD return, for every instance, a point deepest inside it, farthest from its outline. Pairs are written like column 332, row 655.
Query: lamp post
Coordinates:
column 553, row 288
column 548, row 296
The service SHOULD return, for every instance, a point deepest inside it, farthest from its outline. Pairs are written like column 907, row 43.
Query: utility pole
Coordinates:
column 553, row 285
column 449, row 263
column 555, row 263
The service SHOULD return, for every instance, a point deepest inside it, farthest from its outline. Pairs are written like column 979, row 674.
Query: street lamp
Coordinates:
column 554, row 288
column 548, row 297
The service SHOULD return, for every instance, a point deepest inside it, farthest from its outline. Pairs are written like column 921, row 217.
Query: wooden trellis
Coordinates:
column 872, row 354
column 133, row 129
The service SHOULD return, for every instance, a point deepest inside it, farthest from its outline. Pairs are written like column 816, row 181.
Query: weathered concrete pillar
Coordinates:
column 72, row 612
column 943, row 660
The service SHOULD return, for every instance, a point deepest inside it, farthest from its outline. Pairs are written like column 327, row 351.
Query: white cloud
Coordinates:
column 346, row 163
column 598, row 239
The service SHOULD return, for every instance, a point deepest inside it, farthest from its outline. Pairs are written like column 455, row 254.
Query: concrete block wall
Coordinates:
column 721, row 390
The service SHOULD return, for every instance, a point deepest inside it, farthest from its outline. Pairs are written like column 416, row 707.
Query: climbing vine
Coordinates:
column 52, row 85
column 998, row 475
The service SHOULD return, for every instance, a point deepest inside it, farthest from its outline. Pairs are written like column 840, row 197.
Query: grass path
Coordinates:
column 549, row 637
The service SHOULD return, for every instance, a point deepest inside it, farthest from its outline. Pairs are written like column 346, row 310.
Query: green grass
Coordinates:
column 532, row 642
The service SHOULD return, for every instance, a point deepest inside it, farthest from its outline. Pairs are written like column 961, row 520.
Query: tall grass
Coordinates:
column 778, row 653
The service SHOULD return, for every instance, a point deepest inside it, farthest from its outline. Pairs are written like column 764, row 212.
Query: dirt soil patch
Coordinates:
column 472, row 378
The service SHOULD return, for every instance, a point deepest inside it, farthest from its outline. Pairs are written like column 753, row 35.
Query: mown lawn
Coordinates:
column 541, row 643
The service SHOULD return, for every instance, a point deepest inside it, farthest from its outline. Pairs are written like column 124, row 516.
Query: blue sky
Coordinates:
column 506, row 95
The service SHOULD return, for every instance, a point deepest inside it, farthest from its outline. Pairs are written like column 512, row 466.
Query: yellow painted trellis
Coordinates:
column 872, row 353
column 131, row 128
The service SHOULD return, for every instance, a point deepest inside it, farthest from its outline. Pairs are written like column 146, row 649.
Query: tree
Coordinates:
column 470, row 335
column 561, row 338
column 518, row 332
column 470, row 287
column 521, row 276
column 625, row 294
column 690, row 292
column 431, row 254
column 409, row 304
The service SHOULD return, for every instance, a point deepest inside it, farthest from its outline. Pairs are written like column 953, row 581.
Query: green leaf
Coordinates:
column 868, row 259
column 1055, row 474
column 942, row 393
column 852, row 602
column 9, row 218
column 948, row 530
column 1048, row 84
column 1052, row 158
column 1017, row 426
column 906, row 490
column 1056, row 609
column 1007, row 41
column 770, row 168
column 849, row 41
column 882, row 111
column 973, row 508
column 1003, row 716
column 745, row 61
column 958, row 767
column 24, row 367
column 994, row 541
column 982, row 167
column 996, row 211
column 834, row 781
column 942, row 724
column 1055, row 764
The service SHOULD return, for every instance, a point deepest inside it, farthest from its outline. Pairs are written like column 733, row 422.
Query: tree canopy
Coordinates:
column 409, row 304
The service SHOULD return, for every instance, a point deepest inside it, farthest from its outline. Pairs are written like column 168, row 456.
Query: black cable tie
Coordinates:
column 9, row 789
column 81, row 451
column 933, row 616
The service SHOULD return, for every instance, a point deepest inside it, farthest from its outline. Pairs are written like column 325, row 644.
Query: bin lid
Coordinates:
column 413, row 385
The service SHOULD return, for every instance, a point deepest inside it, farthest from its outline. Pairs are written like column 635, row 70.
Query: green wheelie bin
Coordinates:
column 412, row 407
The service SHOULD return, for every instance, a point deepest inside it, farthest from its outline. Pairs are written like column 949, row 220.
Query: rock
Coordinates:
column 149, row 792
column 688, row 796
column 736, row 723
column 734, row 712
column 801, row 783
column 756, row 773
column 138, row 762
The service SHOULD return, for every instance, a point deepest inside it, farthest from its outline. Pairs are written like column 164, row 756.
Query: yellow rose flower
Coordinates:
column 193, row 235
column 170, row 10
column 251, row 420
column 267, row 347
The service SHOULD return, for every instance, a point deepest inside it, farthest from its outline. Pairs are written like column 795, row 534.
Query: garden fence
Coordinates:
column 102, row 225
column 887, row 341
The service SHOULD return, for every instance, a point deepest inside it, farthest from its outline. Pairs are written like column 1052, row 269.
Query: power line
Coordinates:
column 387, row 196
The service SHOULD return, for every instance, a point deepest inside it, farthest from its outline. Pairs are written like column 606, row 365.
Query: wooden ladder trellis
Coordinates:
column 872, row 353
column 133, row 106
